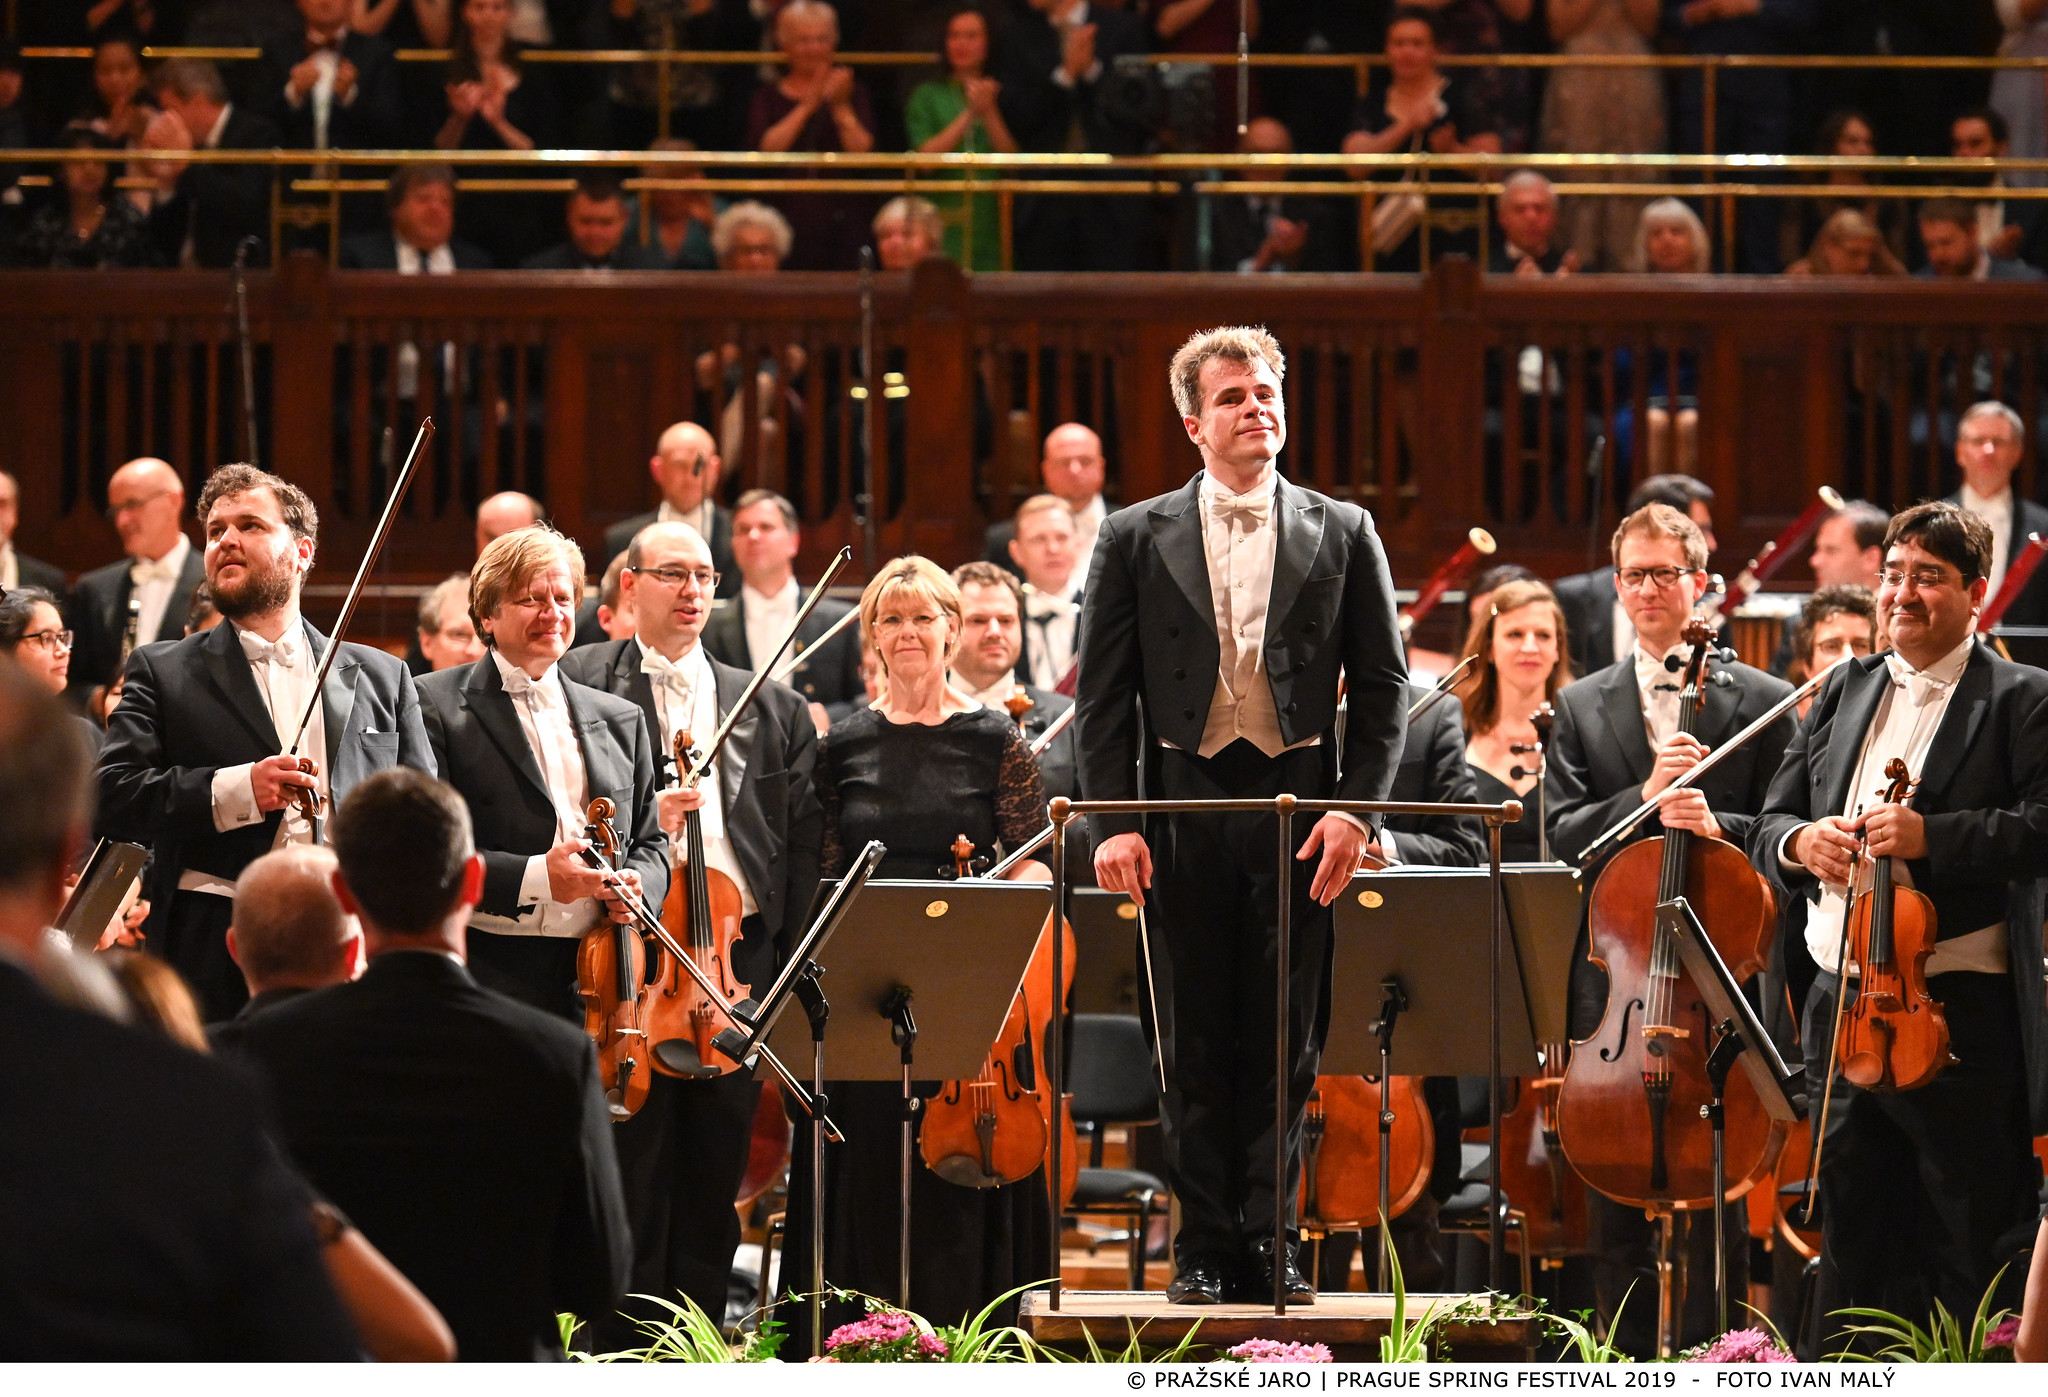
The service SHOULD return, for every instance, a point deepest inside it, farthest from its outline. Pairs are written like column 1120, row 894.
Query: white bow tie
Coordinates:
column 1044, row 606
column 1921, row 688
column 1255, row 508
column 284, row 653
column 660, row 671
column 141, row 571
column 520, row 684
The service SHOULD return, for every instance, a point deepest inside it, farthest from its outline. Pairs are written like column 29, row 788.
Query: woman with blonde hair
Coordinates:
column 917, row 768
column 1848, row 244
column 1523, row 662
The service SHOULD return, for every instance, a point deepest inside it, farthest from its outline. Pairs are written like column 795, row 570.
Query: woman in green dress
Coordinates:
column 960, row 113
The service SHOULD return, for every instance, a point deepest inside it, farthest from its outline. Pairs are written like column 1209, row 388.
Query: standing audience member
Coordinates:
column 289, row 936
column 816, row 105
column 18, row 569
column 1269, row 232
column 2015, row 96
column 329, row 86
column 144, row 597
column 494, row 100
column 120, row 107
column 686, row 467
column 1528, row 244
column 1990, row 440
column 907, row 230
column 680, row 221
column 421, row 239
column 751, row 237
column 597, row 218
column 1210, row 26
column 962, row 112
column 1073, row 468
column 1605, row 110
column 204, row 213
column 421, row 1164
column 206, row 1254
column 1948, row 230
column 706, row 101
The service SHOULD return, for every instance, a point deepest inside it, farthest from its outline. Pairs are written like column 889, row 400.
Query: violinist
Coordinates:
column 1617, row 744
column 195, row 768
column 1925, row 1193
column 683, row 1153
column 1523, row 662
column 529, row 749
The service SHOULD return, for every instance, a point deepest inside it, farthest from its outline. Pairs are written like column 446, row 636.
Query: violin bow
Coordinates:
column 797, row 661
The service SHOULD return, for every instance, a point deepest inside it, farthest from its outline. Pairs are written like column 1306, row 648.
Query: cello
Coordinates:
column 1631, row 1113
column 1533, row 1169
column 1340, row 1159
column 611, row 973
column 702, row 912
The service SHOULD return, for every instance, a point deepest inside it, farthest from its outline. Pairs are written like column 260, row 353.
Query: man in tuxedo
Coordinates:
column 1270, row 232
column 1925, row 1193
column 1230, row 606
column 1989, row 442
column 143, row 1215
column 763, row 827
column 204, row 212
column 328, row 87
column 421, row 241
column 1597, row 627
column 463, row 1132
column 1616, row 745
column 529, row 750
column 1072, row 468
column 195, row 765
column 18, row 569
column 289, row 936
column 1047, row 549
column 597, row 218
column 149, row 589
column 764, row 546
column 685, row 467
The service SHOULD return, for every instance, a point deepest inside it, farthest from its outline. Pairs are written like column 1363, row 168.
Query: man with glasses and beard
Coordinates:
column 195, row 765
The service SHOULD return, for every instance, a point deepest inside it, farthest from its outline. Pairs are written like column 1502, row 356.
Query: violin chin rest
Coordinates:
column 965, row 1170
column 679, row 1055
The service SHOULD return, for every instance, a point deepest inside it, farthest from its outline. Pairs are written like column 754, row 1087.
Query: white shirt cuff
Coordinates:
column 234, row 798
column 534, row 887
column 1785, row 858
column 1388, row 849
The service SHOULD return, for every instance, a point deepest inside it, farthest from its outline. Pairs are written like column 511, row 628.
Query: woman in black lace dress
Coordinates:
column 1523, row 663
column 921, row 766
column 89, row 225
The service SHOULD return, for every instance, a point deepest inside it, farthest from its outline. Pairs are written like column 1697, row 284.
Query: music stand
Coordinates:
column 1739, row 1036
column 1545, row 902
column 905, row 943
column 101, row 892
column 1105, row 951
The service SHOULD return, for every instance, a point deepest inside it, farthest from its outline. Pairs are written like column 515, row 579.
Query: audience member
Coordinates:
column 2017, row 229
column 421, row 1164
column 751, row 237
column 1847, row 133
column 1948, row 230
column 1528, row 244
column 91, row 226
column 447, row 636
column 494, row 100
column 429, row 21
column 1269, row 232
column 597, row 242
column 816, row 105
column 962, row 113
column 741, row 633
column 1597, row 628
column 1072, row 467
column 1608, row 110
column 907, row 230
column 707, row 102
column 1061, row 92
column 331, row 86
column 1670, row 239
column 203, row 213
column 18, row 569
column 120, row 107
column 685, row 467
column 1848, row 244
column 158, row 1001
column 143, row 597
column 1837, row 622
column 289, row 936
column 207, row 1253
column 421, row 239
column 1990, row 440
column 1046, row 549
column 678, row 231
column 1209, row 26
column 2015, row 96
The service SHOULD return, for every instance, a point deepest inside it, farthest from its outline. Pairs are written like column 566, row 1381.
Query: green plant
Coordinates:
column 977, row 1341
column 1944, row 1340
column 688, row 1336
column 1404, row 1342
column 1581, row 1340
column 1133, row 1351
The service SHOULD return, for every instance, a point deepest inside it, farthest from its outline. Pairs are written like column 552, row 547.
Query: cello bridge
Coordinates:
column 1665, row 1030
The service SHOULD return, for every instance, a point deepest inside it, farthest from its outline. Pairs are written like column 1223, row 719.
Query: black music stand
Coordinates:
column 102, row 889
column 1105, row 952
column 955, row 952
column 1739, row 1036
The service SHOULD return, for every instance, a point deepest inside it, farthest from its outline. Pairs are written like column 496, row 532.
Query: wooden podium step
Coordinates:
column 1351, row 1324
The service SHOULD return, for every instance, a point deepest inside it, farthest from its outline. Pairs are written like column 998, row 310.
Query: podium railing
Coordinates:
column 1284, row 808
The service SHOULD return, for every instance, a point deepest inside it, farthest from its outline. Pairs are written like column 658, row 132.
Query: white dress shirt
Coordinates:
column 543, row 710
column 1907, row 718
column 1053, row 618
column 1624, row 630
column 767, row 618
column 153, row 583
column 994, row 696
column 686, row 696
column 699, row 518
column 328, row 61
column 1660, row 688
column 1088, row 527
column 1996, row 511
column 1239, row 538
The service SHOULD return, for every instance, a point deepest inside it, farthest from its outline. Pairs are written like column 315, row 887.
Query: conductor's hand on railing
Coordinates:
column 270, row 778
column 1342, row 843
column 1123, row 864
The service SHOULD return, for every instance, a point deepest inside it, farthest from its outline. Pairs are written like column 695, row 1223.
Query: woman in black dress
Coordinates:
column 1524, row 662
column 919, row 767
column 89, row 225
column 495, row 101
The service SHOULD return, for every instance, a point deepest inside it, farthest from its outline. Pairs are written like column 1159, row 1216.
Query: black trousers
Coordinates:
column 536, row 970
column 1922, row 1192
column 195, row 942
column 1216, row 930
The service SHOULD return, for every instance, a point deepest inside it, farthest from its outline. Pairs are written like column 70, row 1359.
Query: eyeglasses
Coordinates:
column 117, row 508
column 1925, row 579
column 56, row 642
column 705, row 579
column 889, row 625
column 1634, row 578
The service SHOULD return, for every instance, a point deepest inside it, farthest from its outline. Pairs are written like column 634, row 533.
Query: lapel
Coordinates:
column 228, row 668
column 601, row 775
column 485, row 696
column 337, row 695
column 739, row 748
column 1959, row 725
column 1861, row 691
column 1623, row 706
column 1177, row 534
column 1298, row 524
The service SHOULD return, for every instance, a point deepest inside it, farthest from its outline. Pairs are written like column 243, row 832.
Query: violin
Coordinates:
column 611, row 971
column 1893, row 1036
column 1630, row 1112
column 1340, row 1173
column 1533, row 1169
column 702, row 912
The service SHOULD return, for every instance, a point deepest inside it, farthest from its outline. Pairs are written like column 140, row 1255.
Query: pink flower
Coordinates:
column 1741, row 1346
column 1272, row 1351
column 2005, row 1334
column 932, row 1346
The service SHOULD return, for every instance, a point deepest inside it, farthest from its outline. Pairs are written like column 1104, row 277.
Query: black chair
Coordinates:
column 1465, row 1211
column 1111, row 1079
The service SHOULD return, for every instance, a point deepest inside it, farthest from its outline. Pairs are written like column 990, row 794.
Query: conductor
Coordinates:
column 1231, row 605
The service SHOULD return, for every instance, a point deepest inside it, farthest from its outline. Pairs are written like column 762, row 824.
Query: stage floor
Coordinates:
column 1351, row 1324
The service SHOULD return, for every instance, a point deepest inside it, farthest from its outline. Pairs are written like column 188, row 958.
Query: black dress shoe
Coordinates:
column 1258, row 1287
column 1199, row 1281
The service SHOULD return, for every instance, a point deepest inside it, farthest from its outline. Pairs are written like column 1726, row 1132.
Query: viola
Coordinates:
column 611, row 971
column 1533, row 1169
column 1893, row 1036
column 702, row 913
column 1629, row 1113
column 1340, row 1175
